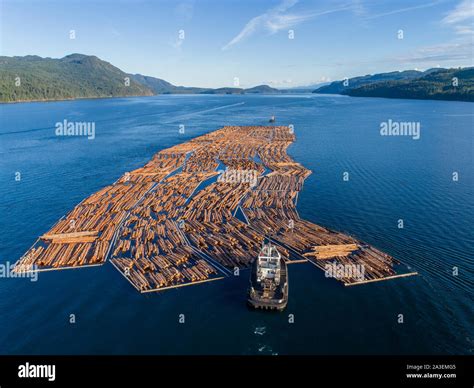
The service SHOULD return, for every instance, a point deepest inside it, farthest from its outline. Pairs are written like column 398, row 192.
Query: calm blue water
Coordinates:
column 391, row 178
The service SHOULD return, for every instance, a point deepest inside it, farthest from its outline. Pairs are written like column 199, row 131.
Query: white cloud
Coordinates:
column 407, row 9
column 460, row 52
column 276, row 19
column 464, row 30
column 464, row 10
column 278, row 83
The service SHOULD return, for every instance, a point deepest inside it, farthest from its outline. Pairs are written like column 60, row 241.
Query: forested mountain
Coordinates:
column 446, row 84
column 32, row 78
column 74, row 76
column 436, row 84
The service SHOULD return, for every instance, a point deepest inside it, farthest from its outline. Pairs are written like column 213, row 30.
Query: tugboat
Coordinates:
column 268, row 280
column 272, row 119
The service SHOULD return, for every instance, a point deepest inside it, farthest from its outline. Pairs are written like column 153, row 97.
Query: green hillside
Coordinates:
column 74, row 76
column 434, row 86
column 85, row 76
column 340, row 87
column 160, row 86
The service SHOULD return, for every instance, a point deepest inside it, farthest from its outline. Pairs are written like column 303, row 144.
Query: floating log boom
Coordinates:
column 181, row 219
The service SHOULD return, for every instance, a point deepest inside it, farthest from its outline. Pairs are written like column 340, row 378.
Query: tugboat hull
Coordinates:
column 268, row 296
column 263, row 305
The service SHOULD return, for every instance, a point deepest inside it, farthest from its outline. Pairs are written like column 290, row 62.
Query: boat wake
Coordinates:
column 188, row 115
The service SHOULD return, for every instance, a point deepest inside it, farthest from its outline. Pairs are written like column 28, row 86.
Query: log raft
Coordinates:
column 200, row 206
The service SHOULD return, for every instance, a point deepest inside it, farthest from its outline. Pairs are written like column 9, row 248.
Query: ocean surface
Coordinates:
column 391, row 178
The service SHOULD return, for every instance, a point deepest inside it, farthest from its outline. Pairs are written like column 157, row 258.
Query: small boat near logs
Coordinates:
column 268, row 280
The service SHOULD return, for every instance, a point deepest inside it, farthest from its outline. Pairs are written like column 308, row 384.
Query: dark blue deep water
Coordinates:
column 390, row 178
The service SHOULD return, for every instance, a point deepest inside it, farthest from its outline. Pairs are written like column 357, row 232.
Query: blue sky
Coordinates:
column 247, row 39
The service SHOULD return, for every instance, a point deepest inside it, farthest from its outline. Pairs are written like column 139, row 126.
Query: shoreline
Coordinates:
column 73, row 99
column 226, row 94
column 392, row 98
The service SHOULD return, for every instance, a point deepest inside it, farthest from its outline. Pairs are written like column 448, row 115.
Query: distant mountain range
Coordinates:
column 304, row 88
column 432, row 84
column 32, row 78
column 160, row 86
